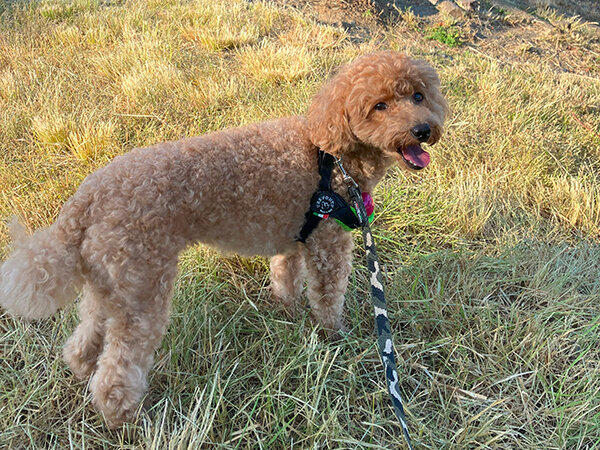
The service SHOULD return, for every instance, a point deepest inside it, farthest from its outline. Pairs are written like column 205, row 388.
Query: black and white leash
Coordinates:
column 382, row 323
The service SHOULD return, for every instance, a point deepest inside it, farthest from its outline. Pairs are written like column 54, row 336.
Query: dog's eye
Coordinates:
column 418, row 97
column 380, row 106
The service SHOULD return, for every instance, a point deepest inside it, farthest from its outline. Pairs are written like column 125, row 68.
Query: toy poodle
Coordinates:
column 244, row 190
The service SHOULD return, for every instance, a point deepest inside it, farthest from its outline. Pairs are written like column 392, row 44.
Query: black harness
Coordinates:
column 327, row 203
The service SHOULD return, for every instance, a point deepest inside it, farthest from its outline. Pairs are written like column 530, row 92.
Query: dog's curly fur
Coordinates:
column 243, row 190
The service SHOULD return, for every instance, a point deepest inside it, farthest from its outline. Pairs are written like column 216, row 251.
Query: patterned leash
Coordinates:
column 382, row 323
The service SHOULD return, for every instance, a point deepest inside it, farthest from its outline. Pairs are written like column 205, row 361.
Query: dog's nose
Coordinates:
column 421, row 132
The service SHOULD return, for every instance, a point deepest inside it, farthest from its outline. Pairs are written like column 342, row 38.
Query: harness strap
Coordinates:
column 326, row 161
column 310, row 223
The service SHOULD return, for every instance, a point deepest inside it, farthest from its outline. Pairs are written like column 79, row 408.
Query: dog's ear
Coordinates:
column 431, row 78
column 327, row 117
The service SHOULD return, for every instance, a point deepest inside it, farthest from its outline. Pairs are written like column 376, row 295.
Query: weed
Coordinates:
column 408, row 18
column 449, row 35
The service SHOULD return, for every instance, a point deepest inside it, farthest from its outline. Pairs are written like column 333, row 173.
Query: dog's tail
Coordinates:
column 43, row 273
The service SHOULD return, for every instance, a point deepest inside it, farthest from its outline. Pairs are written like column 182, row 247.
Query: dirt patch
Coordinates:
column 364, row 13
column 361, row 10
column 560, row 34
column 588, row 10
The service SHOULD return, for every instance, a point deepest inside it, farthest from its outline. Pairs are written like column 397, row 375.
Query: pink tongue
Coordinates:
column 416, row 155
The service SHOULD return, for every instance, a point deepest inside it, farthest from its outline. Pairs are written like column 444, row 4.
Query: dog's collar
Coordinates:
column 327, row 203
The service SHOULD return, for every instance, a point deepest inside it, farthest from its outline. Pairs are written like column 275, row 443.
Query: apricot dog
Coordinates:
column 243, row 190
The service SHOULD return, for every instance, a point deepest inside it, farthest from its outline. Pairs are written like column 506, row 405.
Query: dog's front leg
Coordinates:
column 329, row 263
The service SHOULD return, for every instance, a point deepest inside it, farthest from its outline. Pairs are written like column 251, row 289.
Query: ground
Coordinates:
column 490, row 255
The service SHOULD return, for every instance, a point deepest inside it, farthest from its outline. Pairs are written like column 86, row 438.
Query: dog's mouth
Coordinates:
column 414, row 156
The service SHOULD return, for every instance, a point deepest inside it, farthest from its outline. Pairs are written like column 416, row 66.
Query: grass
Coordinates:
column 490, row 256
column 449, row 35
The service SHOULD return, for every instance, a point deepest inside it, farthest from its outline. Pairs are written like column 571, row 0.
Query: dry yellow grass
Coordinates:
column 491, row 255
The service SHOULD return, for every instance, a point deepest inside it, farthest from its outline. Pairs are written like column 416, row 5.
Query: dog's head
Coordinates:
column 381, row 100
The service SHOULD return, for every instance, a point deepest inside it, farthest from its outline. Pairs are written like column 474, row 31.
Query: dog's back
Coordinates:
column 245, row 190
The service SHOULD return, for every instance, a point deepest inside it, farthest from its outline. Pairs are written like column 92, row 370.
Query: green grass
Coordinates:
column 449, row 35
column 490, row 255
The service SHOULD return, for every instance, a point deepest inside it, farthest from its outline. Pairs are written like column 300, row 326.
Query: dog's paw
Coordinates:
column 116, row 395
column 81, row 365
column 334, row 334
column 289, row 306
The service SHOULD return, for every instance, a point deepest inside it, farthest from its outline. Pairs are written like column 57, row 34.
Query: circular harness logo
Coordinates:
column 325, row 204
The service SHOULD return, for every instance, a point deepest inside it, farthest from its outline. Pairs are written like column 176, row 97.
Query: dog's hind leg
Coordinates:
column 85, row 344
column 288, row 273
column 329, row 263
column 135, row 324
